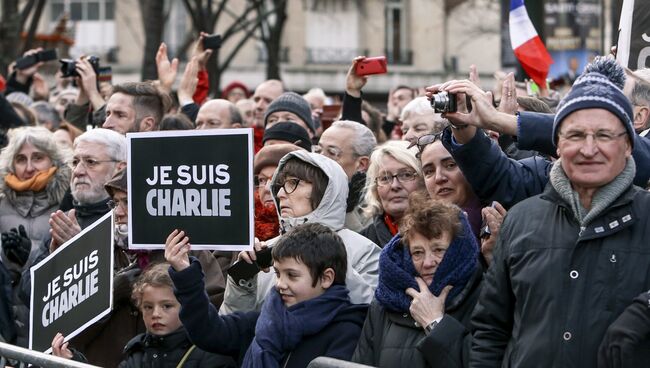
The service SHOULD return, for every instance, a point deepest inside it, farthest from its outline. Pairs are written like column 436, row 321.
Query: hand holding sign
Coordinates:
column 60, row 348
column 177, row 247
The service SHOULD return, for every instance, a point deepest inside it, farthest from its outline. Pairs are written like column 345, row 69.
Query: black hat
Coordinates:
column 288, row 132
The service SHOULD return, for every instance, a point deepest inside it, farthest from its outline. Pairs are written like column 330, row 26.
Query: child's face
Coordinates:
column 160, row 310
column 294, row 281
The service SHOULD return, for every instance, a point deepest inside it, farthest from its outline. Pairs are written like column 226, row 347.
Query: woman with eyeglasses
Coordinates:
column 394, row 173
column 429, row 283
column 36, row 178
column 266, row 160
column 309, row 187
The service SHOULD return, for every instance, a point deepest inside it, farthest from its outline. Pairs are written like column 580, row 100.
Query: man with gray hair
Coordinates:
column 350, row 145
column 418, row 118
column 46, row 115
column 98, row 154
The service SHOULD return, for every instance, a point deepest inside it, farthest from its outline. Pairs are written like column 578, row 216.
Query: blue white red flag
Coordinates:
column 528, row 47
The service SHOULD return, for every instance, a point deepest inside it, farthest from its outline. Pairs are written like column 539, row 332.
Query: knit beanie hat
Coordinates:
column 117, row 182
column 294, row 103
column 233, row 85
column 288, row 132
column 271, row 155
column 600, row 86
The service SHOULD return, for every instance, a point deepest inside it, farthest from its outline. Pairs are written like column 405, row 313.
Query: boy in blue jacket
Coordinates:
column 307, row 315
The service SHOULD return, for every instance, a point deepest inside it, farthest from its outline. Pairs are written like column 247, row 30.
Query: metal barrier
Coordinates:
column 26, row 356
column 324, row 362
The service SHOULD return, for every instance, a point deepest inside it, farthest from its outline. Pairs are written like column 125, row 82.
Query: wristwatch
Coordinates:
column 428, row 328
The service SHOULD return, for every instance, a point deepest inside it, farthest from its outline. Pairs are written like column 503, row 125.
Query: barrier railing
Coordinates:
column 11, row 353
column 324, row 362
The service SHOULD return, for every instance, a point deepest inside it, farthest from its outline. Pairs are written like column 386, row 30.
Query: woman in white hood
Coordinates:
column 309, row 187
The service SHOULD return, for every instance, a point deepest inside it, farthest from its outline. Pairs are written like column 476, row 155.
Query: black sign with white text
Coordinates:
column 198, row 181
column 73, row 287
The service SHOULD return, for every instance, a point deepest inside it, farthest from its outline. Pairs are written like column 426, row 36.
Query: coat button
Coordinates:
column 567, row 336
column 573, row 274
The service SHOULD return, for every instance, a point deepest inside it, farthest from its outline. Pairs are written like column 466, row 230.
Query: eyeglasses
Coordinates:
column 113, row 204
column 289, row 186
column 89, row 163
column 600, row 136
column 402, row 177
column 334, row 153
column 260, row 181
column 424, row 141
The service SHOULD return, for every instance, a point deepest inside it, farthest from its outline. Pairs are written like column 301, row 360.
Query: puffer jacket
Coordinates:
column 151, row 351
column 553, row 288
column 363, row 254
column 391, row 339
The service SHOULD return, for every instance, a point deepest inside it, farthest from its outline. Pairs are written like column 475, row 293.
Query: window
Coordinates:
column 396, row 46
column 81, row 10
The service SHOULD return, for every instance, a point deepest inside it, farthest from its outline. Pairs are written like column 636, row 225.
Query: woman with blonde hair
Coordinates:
column 393, row 174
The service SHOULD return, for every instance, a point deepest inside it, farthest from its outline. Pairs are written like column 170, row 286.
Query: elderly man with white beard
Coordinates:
column 98, row 154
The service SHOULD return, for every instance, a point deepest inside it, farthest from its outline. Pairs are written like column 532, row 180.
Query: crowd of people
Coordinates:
column 510, row 232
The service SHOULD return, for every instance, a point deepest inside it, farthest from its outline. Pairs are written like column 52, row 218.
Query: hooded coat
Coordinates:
column 363, row 254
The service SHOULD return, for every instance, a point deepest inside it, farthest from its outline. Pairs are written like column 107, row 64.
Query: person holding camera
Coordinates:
column 89, row 108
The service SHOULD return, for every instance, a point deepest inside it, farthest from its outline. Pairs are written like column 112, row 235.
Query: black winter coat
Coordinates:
column 377, row 231
column 149, row 351
column 553, row 289
column 391, row 339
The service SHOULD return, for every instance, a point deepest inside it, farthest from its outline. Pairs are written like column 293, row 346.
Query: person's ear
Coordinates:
column 363, row 162
column 327, row 278
column 148, row 124
column 120, row 165
column 641, row 117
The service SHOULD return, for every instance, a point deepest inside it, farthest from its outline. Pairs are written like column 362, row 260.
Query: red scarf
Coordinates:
column 392, row 225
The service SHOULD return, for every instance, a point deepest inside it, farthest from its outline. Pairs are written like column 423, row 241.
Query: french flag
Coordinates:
column 528, row 47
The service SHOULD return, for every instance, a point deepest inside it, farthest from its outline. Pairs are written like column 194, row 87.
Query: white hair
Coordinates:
column 114, row 142
column 418, row 106
column 364, row 140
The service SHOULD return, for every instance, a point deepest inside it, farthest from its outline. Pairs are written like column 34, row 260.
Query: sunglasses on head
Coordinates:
column 424, row 141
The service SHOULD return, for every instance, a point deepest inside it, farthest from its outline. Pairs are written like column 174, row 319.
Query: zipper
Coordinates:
column 287, row 361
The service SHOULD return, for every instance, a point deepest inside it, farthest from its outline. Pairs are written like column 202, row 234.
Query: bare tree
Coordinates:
column 244, row 19
column 13, row 23
column 153, row 19
column 271, row 28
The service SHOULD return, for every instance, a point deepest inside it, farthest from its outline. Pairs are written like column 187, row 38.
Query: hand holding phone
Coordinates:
column 242, row 270
column 212, row 42
column 372, row 65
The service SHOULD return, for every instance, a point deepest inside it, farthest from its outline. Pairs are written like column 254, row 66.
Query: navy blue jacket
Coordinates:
column 492, row 175
column 232, row 334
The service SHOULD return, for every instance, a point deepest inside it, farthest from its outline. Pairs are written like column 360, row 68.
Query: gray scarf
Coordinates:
column 604, row 196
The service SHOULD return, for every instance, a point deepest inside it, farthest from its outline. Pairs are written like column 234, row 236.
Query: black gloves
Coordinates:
column 627, row 340
column 16, row 245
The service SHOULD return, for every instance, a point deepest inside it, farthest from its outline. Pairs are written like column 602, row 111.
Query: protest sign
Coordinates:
column 198, row 181
column 73, row 287
column 633, row 47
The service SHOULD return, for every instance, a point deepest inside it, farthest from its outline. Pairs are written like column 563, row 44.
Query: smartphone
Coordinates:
column 27, row 61
column 212, row 42
column 371, row 65
column 242, row 270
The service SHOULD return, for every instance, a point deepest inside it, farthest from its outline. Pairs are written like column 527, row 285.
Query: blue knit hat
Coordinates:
column 600, row 86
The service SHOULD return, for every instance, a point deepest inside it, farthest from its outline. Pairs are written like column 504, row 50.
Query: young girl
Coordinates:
column 165, row 344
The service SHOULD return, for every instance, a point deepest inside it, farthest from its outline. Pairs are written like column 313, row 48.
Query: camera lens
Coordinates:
column 440, row 102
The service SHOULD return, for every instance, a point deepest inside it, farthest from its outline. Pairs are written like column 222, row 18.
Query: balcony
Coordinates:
column 331, row 55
